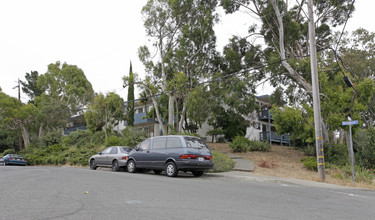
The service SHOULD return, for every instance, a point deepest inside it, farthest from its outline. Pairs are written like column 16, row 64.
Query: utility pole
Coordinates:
column 315, row 93
column 19, row 98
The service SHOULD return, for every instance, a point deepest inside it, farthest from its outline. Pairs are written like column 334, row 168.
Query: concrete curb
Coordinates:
column 268, row 179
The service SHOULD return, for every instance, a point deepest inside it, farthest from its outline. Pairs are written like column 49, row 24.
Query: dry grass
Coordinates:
column 283, row 161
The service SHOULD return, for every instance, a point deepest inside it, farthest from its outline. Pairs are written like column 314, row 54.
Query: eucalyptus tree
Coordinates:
column 66, row 92
column 284, row 30
column 105, row 112
column 30, row 86
column 182, row 34
column 14, row 115
column 67, row 83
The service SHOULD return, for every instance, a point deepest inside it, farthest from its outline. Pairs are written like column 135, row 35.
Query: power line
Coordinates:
column 346, row 21
column 347, row 80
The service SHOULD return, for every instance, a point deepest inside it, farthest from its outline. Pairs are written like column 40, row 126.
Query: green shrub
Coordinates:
column 240, row 144
column 52, row 137
column 336, row 154
column 222, row 163
column 364, row 147
column 260, row 146
column 309, row 150
column 9, row 151
column 132, row 136
column 114, row 141
column 82, row 137
column 310, row 163
column 360, row 174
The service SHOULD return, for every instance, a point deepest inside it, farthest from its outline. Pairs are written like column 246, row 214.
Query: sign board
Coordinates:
column 350, row 122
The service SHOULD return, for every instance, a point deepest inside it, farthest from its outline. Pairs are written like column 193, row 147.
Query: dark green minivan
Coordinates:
column 171, row 154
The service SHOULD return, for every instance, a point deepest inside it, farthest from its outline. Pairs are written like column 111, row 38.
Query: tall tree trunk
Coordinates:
column 182, row 119
column 293, row 73
column 325, row 132
column 171, row 114
column 25, row 136
column 41, row 131
column 158, row 115
column 341, row 136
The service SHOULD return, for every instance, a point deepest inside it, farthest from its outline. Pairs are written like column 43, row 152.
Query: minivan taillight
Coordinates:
column 208, row 157
column 188, row 156
column 124, row 157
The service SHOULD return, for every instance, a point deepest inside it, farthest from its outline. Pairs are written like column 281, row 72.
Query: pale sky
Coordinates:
column 99, row 36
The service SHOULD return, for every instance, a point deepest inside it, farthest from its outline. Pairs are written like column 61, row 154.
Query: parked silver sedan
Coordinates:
column 114, row 156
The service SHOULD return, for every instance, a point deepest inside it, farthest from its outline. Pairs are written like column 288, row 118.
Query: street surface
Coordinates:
column 79, row 193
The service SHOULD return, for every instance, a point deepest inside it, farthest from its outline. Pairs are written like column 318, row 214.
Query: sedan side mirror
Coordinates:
column 100, row 153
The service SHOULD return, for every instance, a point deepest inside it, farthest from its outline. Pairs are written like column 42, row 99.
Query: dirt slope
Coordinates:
column 284, row 161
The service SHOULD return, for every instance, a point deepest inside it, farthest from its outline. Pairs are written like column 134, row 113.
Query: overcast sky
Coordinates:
column 99, row 36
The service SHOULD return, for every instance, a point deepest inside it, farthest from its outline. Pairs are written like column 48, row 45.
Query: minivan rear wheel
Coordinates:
column 171, row 169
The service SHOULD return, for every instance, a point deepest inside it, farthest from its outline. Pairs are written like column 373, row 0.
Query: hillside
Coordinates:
column 284, row 161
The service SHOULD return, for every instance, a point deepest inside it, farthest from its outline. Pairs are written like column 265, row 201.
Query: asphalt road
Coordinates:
column 77, row 193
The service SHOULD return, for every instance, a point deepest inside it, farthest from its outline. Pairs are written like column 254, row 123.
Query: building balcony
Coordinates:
column 282, row 139
column 265, row 115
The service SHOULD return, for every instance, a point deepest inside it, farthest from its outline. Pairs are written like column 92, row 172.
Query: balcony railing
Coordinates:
column 282, row 139
column 265, row 114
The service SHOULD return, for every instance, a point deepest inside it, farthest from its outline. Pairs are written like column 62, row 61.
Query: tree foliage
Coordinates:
column 67, row 83
column 30, row 86
column 105, row 112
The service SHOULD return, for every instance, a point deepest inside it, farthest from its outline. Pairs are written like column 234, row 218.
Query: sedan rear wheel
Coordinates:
column 131, row 166
column 115, row 166
column 171, row 169
column 93, row 164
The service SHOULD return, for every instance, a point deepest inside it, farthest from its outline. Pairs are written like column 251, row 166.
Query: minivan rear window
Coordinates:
column 195, row 143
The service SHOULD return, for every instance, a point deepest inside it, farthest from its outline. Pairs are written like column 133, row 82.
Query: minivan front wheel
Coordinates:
column 131, row 166
column 171, row 169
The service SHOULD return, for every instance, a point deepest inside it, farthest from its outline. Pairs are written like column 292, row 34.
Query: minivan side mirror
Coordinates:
column 100, row 153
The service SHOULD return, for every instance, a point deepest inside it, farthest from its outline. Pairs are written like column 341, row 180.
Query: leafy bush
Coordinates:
column 114, row 141
column 52, row 137
column 9, row 151
column 82, row 137
column 132, row 136
column 360, row 174
column 364, row 147
column 336, row 154
column 309, row 150
column 310, row 163
column 260, row 146
column 240, row 144
column 222, row 163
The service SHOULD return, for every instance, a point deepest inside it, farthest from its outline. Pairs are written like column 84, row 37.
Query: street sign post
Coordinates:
column 350, row 123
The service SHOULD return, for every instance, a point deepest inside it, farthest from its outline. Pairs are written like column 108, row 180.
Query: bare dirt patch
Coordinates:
column 284, row 161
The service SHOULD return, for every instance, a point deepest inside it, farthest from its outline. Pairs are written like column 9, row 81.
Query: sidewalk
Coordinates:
column 243, row 171
column 241, row 175
column 242, row 164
